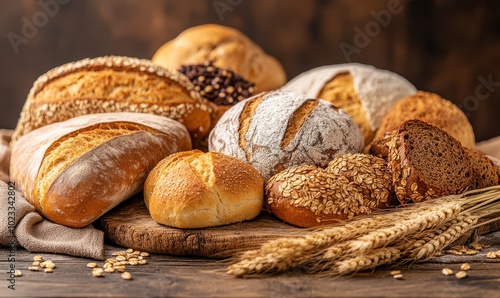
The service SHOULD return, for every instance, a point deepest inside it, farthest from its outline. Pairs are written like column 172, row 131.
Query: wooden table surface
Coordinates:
column 197, row 277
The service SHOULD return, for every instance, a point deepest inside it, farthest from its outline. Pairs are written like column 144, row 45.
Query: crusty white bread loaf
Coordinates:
column 113, row 84
column 351, row 185
column 364, row 92
column 76, row 170
column 196, row 190
column 227, row 48
column 281, row 129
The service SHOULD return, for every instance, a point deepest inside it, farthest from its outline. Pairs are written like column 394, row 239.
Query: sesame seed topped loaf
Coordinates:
column 227, row 48
column 281, row 129
column 351, row 185
column 433, row 109
column 364, row 92
column 426, row 163
column 484, row 170
column 76, row 170
column 113, row 84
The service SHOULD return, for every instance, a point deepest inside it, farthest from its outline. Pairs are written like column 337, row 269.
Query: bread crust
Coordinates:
column 227, row 48
column 98, row 177
column 351, row 185
column 113, row 84
column 444, row 157
column 196, row 190
column 433, row 109
column 281, row 129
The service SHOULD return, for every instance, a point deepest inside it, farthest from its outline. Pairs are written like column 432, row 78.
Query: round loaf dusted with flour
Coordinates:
column 351, row 185
column 281, row 129
column 113, row 84
column 364, row 92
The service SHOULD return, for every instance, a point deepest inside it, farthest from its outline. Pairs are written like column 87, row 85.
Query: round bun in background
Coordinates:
column 433, row 109
column 281, row 129
column 226, row 48
column 193, row 189
column 364, row 92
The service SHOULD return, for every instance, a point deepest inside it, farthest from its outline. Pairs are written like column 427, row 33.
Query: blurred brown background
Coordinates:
column 448, row 47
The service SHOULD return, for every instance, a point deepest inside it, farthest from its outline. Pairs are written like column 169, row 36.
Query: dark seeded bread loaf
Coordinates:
column 484, row 171
column 427, row 163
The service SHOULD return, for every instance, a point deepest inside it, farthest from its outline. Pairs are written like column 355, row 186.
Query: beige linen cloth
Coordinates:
column 31, row 230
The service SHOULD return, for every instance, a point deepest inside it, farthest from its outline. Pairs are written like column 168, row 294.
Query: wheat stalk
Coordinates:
column 414, row 233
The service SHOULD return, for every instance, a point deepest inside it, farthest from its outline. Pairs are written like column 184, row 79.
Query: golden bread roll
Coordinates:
column 113, row 84
column 76, row 170
column 433, row 109
column 351, row 185
column 227, row 48
column 196, row 190
column 281, row 129
column 364, row 92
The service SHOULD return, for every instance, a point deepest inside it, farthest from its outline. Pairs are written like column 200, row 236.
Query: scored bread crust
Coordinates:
column 113, row 84
column 280, row 129
column 197, row 190
column 227, row 48
column 409, row 182
column 351, row 185
column 98, row 176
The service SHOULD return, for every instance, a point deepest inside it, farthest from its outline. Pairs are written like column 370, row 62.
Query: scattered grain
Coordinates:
column 465, row 267
column 33, row 268
column 91, row 265
column 127, row 275
column 461, row 274
column 447, row 271
column 18, row 273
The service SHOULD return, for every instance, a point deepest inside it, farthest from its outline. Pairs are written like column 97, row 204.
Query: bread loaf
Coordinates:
column 364, row 92
column 426, row 163
column 281, row 129
column 113, row 84
column 351, row 185
column 4, row 154
column 76, row 170
column 484, row 170
column 196, row 190
column 433, row 109
column 228, row 48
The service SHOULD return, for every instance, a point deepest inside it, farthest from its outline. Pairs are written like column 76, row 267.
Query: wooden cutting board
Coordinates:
column 130, row 225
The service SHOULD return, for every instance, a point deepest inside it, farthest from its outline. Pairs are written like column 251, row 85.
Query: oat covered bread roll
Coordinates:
column 227, row 48
column 113, row 84
column 281, row 129
column 364, row 92
column 193, row 189
column 351, row 185
column 76, row 170
column 427, row 163
column 433, row 109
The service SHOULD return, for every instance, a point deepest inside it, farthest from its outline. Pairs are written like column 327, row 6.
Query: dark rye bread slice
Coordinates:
column 427, row 163
column 484, row 171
